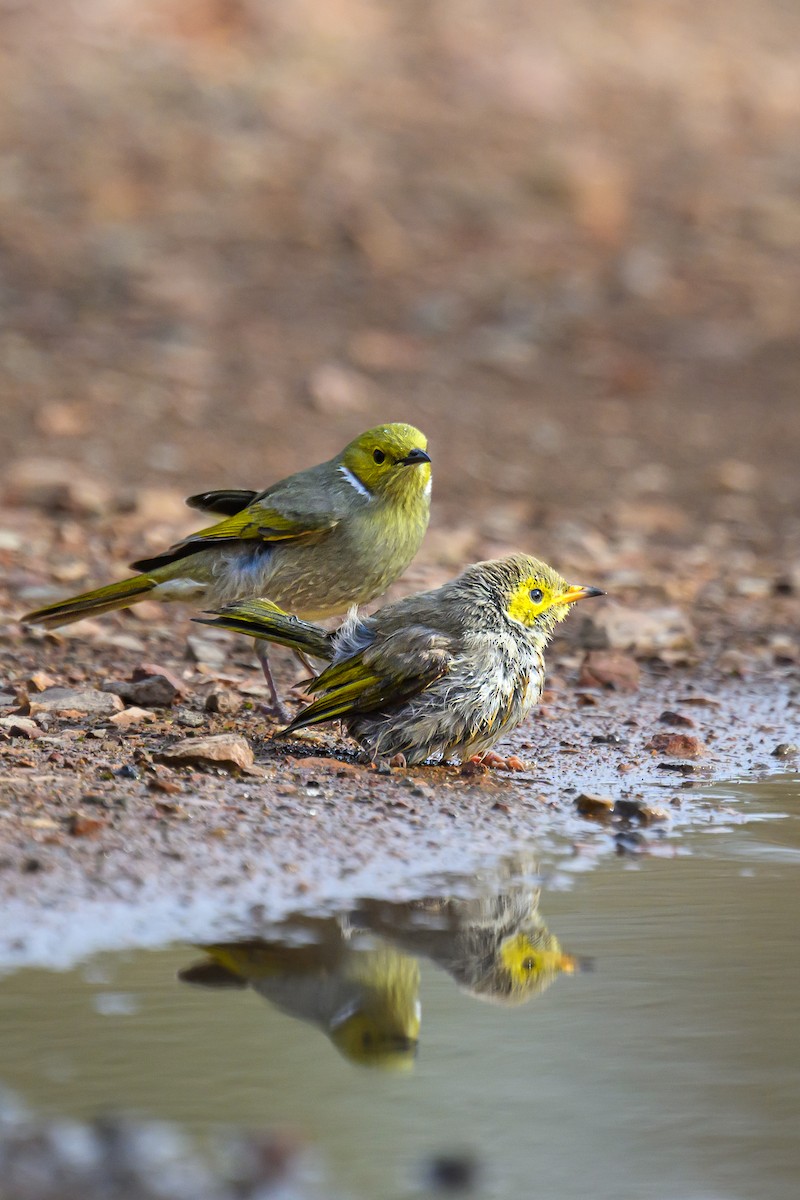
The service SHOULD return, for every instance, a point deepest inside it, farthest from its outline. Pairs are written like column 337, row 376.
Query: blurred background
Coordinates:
column 563, row 239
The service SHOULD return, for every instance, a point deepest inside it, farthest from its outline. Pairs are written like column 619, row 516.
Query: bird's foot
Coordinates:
column 490, row 758
column 276, row 710
column 384, row 766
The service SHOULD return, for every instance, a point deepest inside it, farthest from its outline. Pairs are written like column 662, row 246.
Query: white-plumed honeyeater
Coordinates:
column 440, row 675
column 364, row 998
column 495, row 946
column 315, row 543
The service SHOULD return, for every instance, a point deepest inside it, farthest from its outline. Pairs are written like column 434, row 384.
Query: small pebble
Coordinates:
column 223, row 701
column 227, row 750
column 596, row 807
column 673, row 718
column 676, row 745
column 637, row 810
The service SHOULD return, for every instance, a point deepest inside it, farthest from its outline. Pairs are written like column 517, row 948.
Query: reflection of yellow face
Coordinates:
column 530, row 965
column 494, row 945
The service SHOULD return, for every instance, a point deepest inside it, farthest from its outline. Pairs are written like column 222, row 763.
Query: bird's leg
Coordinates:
column 275, row 705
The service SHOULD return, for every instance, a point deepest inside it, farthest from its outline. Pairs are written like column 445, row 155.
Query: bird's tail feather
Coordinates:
column 94, row 604
column 263, row 619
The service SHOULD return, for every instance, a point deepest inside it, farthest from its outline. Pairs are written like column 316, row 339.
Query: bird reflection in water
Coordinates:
column 495, row 946
column 364, row 995
column 357, row 978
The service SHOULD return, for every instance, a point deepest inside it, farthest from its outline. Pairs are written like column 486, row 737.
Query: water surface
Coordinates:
column 389, row 1032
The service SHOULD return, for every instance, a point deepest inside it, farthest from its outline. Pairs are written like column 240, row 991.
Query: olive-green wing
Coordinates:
column 390, row 671
column 259, row 522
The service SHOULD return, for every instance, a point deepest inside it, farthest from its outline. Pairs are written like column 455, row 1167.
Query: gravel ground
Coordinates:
column 132, row 811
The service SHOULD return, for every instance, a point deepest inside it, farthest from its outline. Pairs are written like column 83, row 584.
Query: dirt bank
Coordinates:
column 557, row 241
column 112, row 840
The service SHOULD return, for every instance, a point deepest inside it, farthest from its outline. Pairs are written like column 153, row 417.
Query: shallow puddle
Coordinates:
column 625, row 1032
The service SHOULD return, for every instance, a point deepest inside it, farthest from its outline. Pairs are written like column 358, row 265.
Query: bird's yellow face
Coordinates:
column 390, row 460
column 544, row 599
column 377, row 1040
column 527, row 963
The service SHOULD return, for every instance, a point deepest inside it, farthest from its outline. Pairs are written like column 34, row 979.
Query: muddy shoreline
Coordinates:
column 113, row 799
column 116, row 850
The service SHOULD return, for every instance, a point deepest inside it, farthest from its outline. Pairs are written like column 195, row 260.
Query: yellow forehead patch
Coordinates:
column 525, row 962
column 530, row 599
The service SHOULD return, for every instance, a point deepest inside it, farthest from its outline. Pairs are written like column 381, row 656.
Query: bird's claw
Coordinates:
column 277, row 711
column 490, row 758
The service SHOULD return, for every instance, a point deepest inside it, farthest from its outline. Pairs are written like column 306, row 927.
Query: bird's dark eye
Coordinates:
column 527, row 964
column 536, row 595
column 379, row 456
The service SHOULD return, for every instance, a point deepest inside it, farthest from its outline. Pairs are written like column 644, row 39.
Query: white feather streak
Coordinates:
column 355, row 483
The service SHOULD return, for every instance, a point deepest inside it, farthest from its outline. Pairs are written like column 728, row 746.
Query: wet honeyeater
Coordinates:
column 439, row 675
column 496, row 946
column 316, row 542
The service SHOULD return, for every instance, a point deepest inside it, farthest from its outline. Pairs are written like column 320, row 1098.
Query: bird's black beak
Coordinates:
column 414, row 458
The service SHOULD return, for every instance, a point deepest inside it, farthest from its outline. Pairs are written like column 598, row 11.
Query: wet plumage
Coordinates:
column 440, row 675
column 495, row 945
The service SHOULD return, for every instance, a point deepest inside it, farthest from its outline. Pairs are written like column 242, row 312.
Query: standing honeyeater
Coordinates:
column 315, row 543
column 443, row 674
